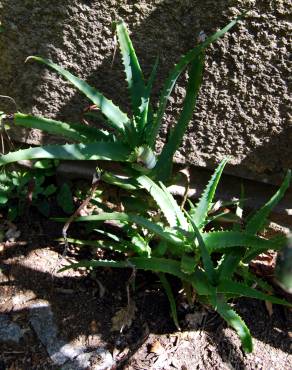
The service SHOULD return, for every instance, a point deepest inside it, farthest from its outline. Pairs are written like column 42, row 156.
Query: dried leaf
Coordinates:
column 264, row 264
column 93, row 326
column 269, row 307
column 157, row 348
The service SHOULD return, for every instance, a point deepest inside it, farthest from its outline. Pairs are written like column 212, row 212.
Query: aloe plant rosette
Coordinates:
column 130, row 140
column 185, row 249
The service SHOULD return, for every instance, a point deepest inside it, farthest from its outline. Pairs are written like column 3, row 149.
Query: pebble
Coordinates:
column 9, row 331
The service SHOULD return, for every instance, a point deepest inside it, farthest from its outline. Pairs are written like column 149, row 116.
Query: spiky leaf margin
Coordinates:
column 200, row 212
column 116, row 118
column 90, row 151
column 134, row 75
column 258, row 221
column 176, row 72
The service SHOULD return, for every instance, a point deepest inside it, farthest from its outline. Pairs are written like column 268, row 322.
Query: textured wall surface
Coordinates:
column 243, row 108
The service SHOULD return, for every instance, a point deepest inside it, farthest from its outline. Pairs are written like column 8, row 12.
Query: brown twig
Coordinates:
column 95, row 181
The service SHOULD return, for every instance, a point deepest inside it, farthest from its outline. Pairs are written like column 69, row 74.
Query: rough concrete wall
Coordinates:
column 244, row 102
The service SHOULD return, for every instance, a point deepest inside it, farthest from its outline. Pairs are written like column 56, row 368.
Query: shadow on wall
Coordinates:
column 78, row 35
column 252, row 165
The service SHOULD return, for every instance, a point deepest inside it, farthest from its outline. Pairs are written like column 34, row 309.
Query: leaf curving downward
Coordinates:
column 165, row 201
column 72, row 131
column 257, row 222
column 234, row 320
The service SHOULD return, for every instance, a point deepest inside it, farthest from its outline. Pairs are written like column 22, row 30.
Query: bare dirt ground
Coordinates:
column 49, row 320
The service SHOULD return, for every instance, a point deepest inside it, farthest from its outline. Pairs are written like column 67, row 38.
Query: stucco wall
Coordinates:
column 243, row 108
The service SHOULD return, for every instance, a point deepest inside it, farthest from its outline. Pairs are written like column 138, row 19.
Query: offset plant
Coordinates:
column 181, row 246
column 129, row 139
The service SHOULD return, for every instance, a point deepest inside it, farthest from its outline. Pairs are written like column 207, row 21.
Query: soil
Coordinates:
column 84, row 303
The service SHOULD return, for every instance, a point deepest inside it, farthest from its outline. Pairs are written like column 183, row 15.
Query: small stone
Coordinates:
column 99, row 359
column 9, row 331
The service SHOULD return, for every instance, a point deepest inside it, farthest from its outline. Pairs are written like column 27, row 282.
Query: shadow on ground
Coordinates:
column 82, row 314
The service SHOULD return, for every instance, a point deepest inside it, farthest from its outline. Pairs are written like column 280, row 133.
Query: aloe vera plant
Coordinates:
column 129, row 139
column 212, row 263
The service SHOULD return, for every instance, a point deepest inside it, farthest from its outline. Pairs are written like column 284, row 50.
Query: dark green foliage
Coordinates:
column 22, row 189
column 212, row 263
column 65, row 199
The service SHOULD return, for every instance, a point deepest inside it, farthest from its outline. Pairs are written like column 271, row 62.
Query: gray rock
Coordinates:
column 9, row 331
column 99, row 359
column 71, row 357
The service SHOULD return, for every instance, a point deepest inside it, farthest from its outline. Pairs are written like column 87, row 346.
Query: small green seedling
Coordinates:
column 22, row 189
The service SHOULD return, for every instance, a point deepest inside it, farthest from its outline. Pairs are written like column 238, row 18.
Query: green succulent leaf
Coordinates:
column 74, row 131
column 165, row 201
column 3, row 198
column 90, row 151
column 157, row 265
column 220, row 240
column 241, row 289
column 229, row 263
column 145, row 118
column 176, row 72
column 276, row 243
column 182, row 221
column 134, row 75
column 118, row 246
column 258, row 221
column 170, row 297
column 131, row 218
column 164, row 165
column 207, row 262
column 122, row 182
column 188, row 263
column 249, row 278
column 234, row 320
column 117, row 119
column 200, row 212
